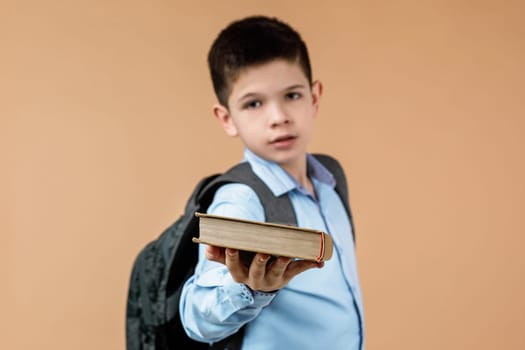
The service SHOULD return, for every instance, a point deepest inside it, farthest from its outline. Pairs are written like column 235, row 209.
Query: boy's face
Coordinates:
column 272, row 109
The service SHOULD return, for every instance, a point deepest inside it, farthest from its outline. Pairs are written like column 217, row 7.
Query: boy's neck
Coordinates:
column 299, row 173
column 297, row 170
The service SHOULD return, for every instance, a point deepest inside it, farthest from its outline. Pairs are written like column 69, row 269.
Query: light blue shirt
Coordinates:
column 318, row 309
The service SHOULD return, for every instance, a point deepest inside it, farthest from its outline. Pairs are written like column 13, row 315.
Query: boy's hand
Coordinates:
column 259, row 275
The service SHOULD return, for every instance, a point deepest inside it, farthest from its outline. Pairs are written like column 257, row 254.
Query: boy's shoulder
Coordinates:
column 240, row 192
column 256, row 178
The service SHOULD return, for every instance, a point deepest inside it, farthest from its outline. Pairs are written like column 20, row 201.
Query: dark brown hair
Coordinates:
column 249, row 42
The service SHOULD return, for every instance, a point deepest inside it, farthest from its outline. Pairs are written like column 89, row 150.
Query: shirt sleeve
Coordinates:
column 213, row 306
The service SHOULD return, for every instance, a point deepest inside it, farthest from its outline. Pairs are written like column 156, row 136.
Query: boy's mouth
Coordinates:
column 283, row 141
column 282, row 138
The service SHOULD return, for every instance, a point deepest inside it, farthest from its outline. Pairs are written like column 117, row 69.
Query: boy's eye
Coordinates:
column 252, row 104
column 293, row 95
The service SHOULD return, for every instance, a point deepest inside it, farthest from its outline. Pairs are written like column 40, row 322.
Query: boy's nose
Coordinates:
column 278, row 116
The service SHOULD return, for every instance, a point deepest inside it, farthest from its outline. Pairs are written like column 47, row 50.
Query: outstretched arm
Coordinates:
column 224, row 294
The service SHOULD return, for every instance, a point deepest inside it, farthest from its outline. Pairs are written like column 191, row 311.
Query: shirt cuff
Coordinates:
column 242, row 296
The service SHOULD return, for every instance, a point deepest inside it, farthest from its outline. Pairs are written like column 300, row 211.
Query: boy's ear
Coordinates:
column 223, row 116
column 317, row 91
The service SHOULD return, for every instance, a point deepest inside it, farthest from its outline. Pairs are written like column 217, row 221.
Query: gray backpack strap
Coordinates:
column 276, row 209
column 341, row 186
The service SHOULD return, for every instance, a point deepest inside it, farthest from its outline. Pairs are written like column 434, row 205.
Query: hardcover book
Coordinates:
column 263, row 237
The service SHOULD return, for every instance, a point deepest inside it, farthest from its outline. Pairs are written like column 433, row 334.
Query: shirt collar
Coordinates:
column 278, row 180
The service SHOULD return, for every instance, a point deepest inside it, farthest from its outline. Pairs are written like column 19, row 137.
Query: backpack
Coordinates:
column 163, row 265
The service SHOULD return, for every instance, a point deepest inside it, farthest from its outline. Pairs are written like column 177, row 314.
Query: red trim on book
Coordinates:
column 321, row 251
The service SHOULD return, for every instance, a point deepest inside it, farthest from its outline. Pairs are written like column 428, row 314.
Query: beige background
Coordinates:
column 106, row 126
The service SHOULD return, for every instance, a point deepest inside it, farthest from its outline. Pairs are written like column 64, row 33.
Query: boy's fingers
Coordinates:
column 258, row 266
column 235, row 265
column 279, row 266
column 215, row 254
column 296, row 267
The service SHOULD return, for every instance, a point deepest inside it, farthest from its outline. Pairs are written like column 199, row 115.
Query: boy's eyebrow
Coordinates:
column 254, row 94
column 297, row 86
column 246, row 95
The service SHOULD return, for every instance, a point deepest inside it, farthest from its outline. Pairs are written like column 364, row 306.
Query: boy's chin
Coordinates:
column 282, row 157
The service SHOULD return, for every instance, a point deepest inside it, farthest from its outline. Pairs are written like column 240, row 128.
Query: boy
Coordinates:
column 262, row 78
